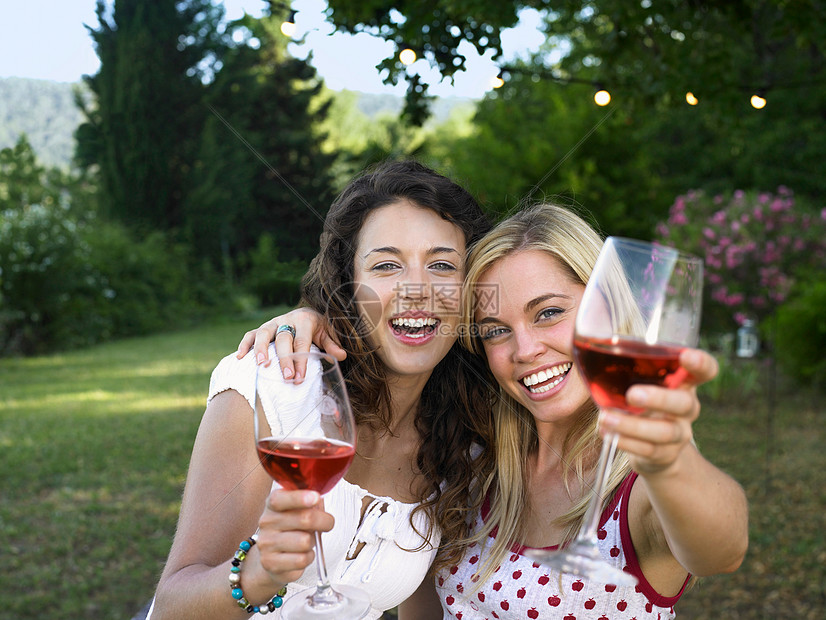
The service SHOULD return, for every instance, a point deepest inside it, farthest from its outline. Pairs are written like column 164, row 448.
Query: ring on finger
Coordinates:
column 285, row 328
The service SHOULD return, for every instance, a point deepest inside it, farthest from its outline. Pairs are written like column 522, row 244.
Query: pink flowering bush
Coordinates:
column 756, row 246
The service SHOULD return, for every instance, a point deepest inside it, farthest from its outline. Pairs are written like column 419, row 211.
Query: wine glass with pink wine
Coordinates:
column 305, row 435
column 640, row 309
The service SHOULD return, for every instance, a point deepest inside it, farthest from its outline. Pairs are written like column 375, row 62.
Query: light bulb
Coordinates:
column 288, row 25
column 407, row 56
column 602, row 97
column 758, row 102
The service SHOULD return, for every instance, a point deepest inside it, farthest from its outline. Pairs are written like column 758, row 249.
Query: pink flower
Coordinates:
column 678, row 219
column 720, row 294
column 732, row 258
column 709, row 234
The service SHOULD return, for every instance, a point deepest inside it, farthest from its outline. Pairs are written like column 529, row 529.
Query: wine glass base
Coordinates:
column 350, row 604
column 586, row 565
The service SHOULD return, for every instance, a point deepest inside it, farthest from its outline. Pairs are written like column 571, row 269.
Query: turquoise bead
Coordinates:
column 277, row 601
column 237, row 593
column 245, row 545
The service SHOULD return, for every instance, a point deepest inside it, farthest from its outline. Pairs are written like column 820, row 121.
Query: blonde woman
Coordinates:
column 669, row 514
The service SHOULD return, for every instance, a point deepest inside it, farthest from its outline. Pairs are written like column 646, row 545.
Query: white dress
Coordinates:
column 393, row 561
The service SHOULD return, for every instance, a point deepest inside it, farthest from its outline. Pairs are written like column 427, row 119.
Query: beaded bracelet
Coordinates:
column 235, row 582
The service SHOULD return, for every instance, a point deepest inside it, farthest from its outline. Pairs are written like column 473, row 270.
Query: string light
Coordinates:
column 288, row 25
column 758, row 102
column 407, row 56
column 602, row 97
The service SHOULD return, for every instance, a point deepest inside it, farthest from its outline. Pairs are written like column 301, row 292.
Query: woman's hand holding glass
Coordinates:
column 654, row 441
column 286, row 535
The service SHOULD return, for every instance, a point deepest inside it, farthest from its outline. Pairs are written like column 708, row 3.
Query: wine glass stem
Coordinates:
column 606, row 458
column 324, row 592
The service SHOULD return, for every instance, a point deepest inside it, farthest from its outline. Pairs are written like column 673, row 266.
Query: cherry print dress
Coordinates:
column 522, row 588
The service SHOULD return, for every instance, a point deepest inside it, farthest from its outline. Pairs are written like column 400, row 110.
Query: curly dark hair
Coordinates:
column 455, row 407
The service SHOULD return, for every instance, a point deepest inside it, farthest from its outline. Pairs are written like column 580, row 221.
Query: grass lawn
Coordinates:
column 94, row 446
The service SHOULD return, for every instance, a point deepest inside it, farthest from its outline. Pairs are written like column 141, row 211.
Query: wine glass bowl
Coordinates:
column 305, row 436
column 640, row 309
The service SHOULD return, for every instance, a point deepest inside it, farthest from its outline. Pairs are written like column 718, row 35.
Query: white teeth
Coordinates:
column 545, row 375
column 414, row 323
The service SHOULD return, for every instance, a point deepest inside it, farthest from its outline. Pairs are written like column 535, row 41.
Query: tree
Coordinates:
column 647, row 51
column 532, row 140
column 261, row 167
column 140, row 128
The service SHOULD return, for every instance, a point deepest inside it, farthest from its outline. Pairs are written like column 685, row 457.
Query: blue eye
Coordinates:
column 549, row 313
column 443, row 266
column 491, row 333
column 383, row 267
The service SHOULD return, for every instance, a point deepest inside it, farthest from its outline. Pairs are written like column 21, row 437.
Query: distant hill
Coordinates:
column 45, row 111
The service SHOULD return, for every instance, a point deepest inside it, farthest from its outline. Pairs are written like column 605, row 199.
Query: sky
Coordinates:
column 47, row 39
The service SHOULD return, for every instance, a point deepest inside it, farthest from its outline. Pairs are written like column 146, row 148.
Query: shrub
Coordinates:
column 66, row 283
column 801, row 333
column 756, row 245
column 272, row 282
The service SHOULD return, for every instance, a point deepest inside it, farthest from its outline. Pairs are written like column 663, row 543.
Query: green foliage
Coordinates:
column 433, row 31
column 271, row 280
column 67, row 283
column 24, row 180
column 146, row 112
column 260, row 165
column 649, row 53
column 801, row 333
column 533, row 140
column 755, row 246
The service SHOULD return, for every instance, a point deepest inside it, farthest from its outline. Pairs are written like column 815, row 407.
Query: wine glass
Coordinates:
column 305, row 435
column 640, row 309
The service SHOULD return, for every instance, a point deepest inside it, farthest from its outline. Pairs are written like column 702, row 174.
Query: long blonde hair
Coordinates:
column 575, row 245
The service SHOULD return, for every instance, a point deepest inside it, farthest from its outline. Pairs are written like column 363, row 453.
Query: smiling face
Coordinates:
column 408, row 272
column 527, row 333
